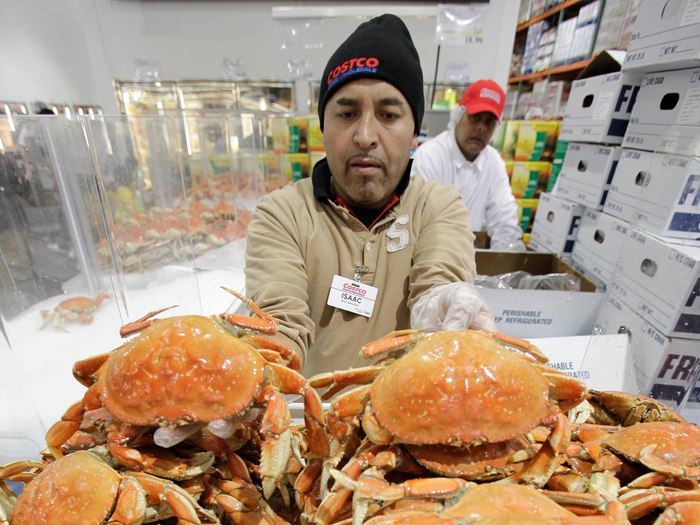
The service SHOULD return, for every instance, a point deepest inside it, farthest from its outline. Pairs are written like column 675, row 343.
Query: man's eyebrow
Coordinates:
column 391, row 101
column 346, row 101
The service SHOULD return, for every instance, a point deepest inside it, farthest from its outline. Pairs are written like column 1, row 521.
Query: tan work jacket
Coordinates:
column 297, row 243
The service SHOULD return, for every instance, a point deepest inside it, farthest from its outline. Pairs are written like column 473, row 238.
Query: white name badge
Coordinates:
column 352, row 296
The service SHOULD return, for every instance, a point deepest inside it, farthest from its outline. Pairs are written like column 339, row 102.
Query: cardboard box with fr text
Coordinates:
column 601, row 101
column 663, row 365
column 586, row 174
column 666, row 116
column 556, row 225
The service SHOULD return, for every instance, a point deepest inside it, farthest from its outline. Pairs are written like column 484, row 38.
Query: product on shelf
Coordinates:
column 582, row 43
column 537, row 7
column 532, row 42
column 539, row 92
column 559, row 155
column 537, row 140
column 511, row 101
column 628, row 24
column 524, row 11
column 528, row 179
column 611, row 24
column 510, row 139
column 526, row 213
column 523, row 105
column 562, row 45
column 555, row 100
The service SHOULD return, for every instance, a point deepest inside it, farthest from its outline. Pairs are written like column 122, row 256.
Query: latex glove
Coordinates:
column 517, row 246
column 453, row 306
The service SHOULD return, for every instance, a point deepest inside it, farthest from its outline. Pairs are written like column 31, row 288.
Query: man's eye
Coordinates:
column 391, row 116
column 346, row 115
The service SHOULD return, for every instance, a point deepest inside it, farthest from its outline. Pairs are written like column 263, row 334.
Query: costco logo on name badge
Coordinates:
column 352, row 296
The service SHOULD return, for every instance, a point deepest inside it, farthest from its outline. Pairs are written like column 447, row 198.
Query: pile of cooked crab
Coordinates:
column 187, row 422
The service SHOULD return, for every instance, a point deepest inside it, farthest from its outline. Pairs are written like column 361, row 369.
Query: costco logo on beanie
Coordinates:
column 354, row 65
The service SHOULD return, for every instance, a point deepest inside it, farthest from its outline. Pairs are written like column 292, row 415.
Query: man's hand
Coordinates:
column 454, row 306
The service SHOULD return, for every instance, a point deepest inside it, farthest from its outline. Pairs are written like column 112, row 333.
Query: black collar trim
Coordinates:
column 321, row 180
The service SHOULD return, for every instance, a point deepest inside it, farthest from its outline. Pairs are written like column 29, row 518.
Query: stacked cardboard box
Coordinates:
column 655, row 194
column 599, row 107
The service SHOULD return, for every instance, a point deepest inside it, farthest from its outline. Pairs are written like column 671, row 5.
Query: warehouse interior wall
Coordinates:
column 44, row 53
column 72, row 49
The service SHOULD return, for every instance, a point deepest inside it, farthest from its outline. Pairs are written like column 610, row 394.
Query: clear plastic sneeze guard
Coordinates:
column 651, row 298
column 105, row 219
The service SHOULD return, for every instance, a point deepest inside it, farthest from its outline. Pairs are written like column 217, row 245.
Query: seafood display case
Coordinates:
column 95, row 234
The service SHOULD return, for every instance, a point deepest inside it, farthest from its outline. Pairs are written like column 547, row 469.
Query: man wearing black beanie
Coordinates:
column 341, row 259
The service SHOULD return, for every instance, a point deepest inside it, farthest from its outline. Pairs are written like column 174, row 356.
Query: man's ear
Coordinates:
column 414, row 143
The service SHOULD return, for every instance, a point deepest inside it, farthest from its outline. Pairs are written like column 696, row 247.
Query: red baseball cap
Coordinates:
column 484, row 95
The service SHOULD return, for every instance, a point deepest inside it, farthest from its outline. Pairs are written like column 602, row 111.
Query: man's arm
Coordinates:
column 502, row 209
column 444, row 250
column 276, row 277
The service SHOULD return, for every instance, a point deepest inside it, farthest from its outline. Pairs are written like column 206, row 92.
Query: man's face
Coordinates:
column 473, row 133
column 368, row 135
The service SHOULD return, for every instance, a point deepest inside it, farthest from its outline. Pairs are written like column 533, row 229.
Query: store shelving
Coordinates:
column 540, row 75
column 548, row 13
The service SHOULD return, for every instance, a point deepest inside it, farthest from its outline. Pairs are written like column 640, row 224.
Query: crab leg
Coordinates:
column 391, row 341
column 545, row 462
column 131, row 505
column 332, row 504
column 84, row 370
column 266, row 323
column 659, row 464
column 143, row 323
column 520, row 344
column 183, row 505
column 62, row 431
column 337, row 381
column 291, row 382
column 650, row 499
column 679, row 513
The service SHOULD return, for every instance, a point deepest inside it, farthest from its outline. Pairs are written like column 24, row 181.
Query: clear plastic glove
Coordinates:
column 453, row 306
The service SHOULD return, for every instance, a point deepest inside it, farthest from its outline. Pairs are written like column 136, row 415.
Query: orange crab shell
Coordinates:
column 478, row 462
column 678, row 443
column 73, row 490
column 460, row 386
column 496, row 499
column 76, row 304
column 181, row 370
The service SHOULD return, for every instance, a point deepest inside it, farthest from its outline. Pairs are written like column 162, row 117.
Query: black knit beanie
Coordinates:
column 380, row 48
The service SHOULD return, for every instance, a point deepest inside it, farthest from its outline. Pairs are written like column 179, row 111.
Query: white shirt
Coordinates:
column 483, row 184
